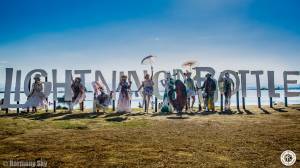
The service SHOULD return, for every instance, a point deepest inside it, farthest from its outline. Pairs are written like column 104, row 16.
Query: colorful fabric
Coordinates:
column 78, row 93
column 148, row 91
column 124, row 98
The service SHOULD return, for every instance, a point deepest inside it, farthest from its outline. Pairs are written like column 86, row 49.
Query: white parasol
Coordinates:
column 189, row 64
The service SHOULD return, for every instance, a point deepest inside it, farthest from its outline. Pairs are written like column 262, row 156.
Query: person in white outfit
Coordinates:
column 36, row 97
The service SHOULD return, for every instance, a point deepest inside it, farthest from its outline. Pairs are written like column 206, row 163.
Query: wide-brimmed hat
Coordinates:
column 123, row 76
column 37, row 77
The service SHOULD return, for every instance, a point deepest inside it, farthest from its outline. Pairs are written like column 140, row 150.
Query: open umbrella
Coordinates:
column 149, row 60
column 189, row 64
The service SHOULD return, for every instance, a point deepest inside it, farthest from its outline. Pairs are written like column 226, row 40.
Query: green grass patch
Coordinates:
column 70, row 125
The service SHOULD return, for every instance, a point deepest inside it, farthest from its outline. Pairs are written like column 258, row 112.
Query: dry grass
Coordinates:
column 254, row 138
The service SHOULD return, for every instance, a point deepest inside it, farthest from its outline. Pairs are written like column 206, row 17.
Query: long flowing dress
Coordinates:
column 37, row 97
column 124, row 97
column 78, row 93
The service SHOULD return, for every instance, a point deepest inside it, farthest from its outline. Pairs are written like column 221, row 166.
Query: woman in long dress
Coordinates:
column 78, row 92
column 124, row 97
column 147, row 86
column 36, row 97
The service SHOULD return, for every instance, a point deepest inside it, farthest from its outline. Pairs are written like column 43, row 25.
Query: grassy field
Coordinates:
column 251, row 138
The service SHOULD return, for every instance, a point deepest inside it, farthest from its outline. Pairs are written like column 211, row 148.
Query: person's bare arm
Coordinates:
column 142, row 85
column 151, row 73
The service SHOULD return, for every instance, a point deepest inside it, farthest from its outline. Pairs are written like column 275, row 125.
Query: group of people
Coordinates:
column 102, row 99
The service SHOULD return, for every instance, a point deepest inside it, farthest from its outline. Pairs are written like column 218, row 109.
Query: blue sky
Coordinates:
column 116, row 34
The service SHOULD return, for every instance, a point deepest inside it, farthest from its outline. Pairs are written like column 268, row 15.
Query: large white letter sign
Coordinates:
column 156, row 88
column 257, row 73
column 237, row 80
column 178, row 73
column 133, row 74
column 286, row 82
column 18, row 85
column 271, row 84
column 28, row 77
column 99, row 77
column 114, row 84
column 198, row 76
column 243, row 81
column 66, row 85
column 82, row 75
column 8, row 82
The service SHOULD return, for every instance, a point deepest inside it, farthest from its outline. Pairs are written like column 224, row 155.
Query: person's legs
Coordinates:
column 229, row 101
column 206, row 102
column 147, row 103
column 226, row 102
column 188, row 103
column 193, row 102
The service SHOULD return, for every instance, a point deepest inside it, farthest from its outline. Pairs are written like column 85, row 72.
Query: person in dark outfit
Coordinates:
column 209, row 87
column 228, row 86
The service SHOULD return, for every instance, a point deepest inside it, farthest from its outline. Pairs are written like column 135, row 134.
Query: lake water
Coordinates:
column 251, row 98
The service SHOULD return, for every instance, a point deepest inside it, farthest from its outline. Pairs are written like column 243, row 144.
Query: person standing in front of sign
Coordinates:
column 209, row 87
column 228, row 86
column 190, row 89
column 124, row 97
column 36, row 97
column 78, row 93
column 147, row 86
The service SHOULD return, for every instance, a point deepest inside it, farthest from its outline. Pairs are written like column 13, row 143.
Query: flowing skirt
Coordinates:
column 36, row 101
column 123, row 103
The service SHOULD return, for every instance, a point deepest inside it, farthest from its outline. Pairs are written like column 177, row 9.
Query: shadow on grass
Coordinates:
column 264, row 110
column 280, row 109
column 81, row 116
column 44, row 116
column 9, row 115
column 114, row 114
column 136, row 114
column 35, row 116
column 245, row 110
column 248, row 112
column 228, row 112
column 208, row 112
column 116, row 119
column 177, row 117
